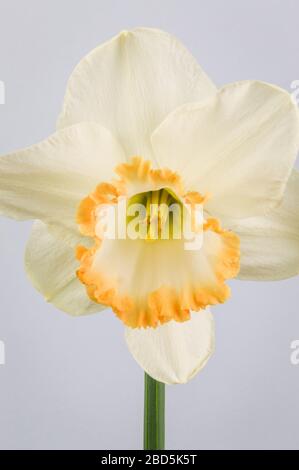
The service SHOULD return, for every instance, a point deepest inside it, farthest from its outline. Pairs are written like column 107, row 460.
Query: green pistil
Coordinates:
column 156, row 204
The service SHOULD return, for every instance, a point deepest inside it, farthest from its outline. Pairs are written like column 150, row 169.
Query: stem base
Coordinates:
column 154, row 414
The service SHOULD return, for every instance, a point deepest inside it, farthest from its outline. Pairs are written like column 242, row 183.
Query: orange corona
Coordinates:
column 112, row 270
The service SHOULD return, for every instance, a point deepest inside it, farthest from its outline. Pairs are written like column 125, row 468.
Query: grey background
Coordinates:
column 71, row 383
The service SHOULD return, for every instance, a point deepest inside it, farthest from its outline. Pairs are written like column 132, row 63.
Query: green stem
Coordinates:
column 154, row 414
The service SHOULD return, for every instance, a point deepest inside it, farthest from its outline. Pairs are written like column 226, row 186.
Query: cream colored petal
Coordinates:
column 51, row 267
column 48, row 180
column 130, row 83
column 270, row 245
column 175, row 352
column 239, row 146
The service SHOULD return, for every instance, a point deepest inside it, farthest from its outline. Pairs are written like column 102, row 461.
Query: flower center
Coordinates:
column 155, row 215
column 148, row 284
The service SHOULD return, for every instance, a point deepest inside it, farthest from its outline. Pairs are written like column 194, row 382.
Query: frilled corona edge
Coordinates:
column 151, row 307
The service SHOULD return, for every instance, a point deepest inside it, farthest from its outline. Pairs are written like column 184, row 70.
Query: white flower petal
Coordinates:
column 51, row 267
column 174, row 352
column 239, row 146
column 48, row 180
column 130, row 83
column 270, row 245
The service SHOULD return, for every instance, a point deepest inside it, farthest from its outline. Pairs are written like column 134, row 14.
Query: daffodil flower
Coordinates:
column 141, row 120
